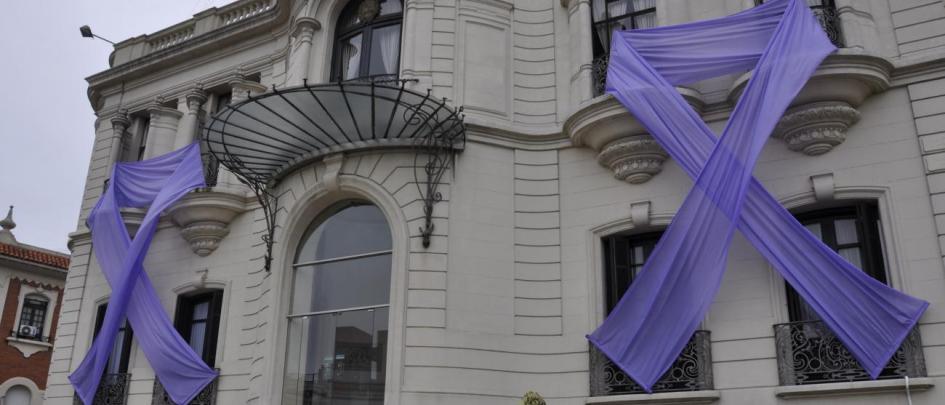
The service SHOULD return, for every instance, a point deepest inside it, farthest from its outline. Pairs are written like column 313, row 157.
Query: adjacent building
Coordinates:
column 32, row 280
column 432, row 202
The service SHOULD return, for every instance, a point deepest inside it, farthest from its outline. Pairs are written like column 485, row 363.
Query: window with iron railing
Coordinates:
column 826, row 12
column 809, row 352
column 609, row 16
column 624, row 256
column 113, row 387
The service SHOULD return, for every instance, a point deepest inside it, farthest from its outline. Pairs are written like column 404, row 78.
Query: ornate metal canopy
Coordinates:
column 266, row 137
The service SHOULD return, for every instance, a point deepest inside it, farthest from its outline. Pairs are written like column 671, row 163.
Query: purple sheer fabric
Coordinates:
column 783, row 42
column 155, row 183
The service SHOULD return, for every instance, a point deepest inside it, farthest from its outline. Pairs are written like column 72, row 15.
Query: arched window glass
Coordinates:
column 337, row 344
column 18, row 395
column 367, row 41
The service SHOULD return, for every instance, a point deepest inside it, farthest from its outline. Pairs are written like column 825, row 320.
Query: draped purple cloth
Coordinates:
column 784, row 44
column 155, row 183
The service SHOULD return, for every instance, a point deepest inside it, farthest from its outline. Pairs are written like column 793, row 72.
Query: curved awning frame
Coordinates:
column 267, row 137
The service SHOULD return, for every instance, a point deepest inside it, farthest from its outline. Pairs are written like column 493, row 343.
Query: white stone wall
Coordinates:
column 500, row 302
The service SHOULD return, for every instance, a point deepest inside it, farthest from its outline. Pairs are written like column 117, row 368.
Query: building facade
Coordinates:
column 331, row 261
column 31, row 289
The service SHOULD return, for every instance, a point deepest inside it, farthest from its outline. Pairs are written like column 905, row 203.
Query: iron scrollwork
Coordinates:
column 434, row 154
column 599, row 74
column 810, row 353
column 112, row 390
column 207, row 396
column 266, row 137
column 692, row 371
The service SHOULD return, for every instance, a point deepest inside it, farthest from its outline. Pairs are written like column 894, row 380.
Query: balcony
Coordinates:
column 824, row 10
column 692, row 371
column 112, row 390
column 208, row 396
column 809, row 353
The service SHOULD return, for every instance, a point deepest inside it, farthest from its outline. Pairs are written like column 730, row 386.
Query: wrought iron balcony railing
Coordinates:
column 692, row 371
column 112, row 390
column 825, row 10
column 810, row 353
column 208, row 396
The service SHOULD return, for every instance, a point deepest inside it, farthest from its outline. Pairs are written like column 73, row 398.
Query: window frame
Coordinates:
column 598, row 50
column 184, row 322
column 619, row 276
column 125, row 359
column 293, row 314
column 366, row 31
column 24, row 306
column 869, row 237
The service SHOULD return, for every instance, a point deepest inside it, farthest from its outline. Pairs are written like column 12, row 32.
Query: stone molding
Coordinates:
column 28, row 347
column 634, row 159
column 815, row 129
column 204, row 217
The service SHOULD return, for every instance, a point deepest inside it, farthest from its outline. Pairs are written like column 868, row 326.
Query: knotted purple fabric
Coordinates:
column 784, row 43
column 155, row 183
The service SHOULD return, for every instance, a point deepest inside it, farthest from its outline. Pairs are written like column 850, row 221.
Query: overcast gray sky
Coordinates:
column 45, row 119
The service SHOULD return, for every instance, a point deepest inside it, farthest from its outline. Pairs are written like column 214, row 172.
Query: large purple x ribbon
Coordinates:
column 155, row 183
column 654, row 320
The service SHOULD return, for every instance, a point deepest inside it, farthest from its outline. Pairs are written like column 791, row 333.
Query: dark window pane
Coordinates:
column 344, row 284
column 839, row 228
column 351, row 230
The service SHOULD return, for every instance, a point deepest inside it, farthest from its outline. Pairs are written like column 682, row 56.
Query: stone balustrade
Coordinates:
column 202, row 23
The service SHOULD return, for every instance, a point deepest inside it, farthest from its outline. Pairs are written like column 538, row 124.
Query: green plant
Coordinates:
column 532, row 398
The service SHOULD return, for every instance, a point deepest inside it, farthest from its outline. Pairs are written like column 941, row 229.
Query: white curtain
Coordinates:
column 351, row 55
column 388, row 39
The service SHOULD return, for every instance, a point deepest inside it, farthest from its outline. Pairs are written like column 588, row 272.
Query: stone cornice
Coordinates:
column 187, row 50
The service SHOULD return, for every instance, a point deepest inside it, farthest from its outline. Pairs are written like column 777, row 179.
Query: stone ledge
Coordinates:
column 854, row 388
column 28, row 347
column 666, row 398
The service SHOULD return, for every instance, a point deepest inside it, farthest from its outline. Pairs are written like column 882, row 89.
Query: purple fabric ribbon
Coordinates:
column 155, row 183
column 784, row 43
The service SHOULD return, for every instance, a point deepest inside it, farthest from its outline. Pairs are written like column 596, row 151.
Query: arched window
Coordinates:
column 18, row 395
column 33, row 317
column 367, row 41
column 337, row 343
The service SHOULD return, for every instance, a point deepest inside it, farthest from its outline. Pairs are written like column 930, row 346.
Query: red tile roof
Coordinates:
column 43, row 257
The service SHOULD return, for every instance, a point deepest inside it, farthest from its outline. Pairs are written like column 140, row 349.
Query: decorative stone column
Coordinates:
column 299, row 61
column 582, row 50
column 634, row 159
column 162, row 130
column 190, row 122
column 120, row 123
column 816, row 128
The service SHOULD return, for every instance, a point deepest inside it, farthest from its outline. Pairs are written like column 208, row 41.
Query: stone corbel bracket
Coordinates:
column 827, row 105
column 816, row 128
column 622, row 143
column 204, row 218
column 634, row 159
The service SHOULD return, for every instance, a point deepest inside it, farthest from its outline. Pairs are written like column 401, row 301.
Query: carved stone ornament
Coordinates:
column 634, row 159
column 816, row 128
column 368, row 10
column 204, row 218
